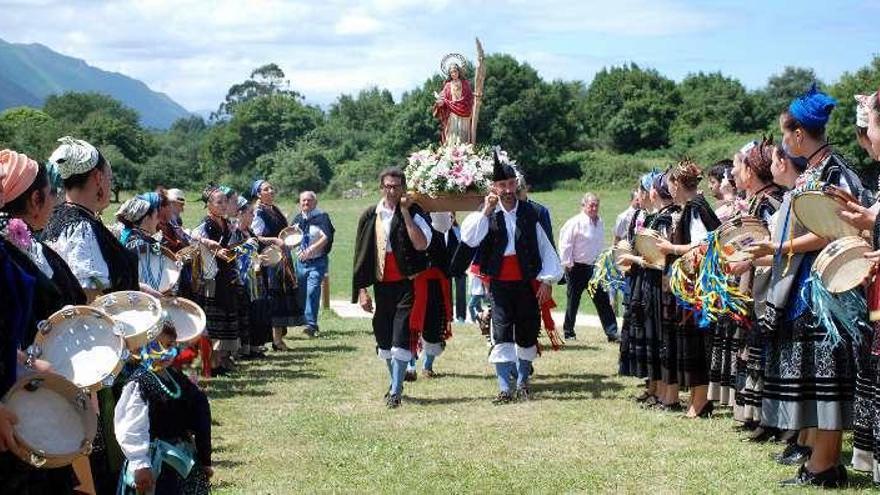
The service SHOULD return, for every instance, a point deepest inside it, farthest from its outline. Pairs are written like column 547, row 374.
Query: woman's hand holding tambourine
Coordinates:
column 858, row 216
column 739, row 267
column 665, row 246
column 761, row 248
column 7, row 437
column 627, row 259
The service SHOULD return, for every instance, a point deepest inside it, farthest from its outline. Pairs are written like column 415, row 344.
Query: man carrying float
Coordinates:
column 517, row 256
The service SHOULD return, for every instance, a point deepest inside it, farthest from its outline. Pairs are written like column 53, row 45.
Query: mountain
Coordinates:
column 31, row 72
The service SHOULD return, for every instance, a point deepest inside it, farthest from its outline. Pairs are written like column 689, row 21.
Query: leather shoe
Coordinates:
column 393, row 401
column 794, row 454
column 502, row 398
column 833, row 477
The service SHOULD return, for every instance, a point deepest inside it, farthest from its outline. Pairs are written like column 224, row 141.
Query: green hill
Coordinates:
column 31, row 72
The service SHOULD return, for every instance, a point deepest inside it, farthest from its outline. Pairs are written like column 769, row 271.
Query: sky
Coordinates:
column 195, row 50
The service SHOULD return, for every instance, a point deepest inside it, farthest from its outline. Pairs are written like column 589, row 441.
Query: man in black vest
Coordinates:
column 389, row 252
column 515, row 252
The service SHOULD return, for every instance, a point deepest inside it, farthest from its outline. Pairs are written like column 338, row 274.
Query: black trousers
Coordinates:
column 458, row 287
column 578, row 277
column 394, row 302
column 515, row 314
column 435, row 314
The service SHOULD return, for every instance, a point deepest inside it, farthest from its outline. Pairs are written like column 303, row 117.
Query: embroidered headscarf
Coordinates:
column 74, row 157
column 647, row 180
column 134, row 210
column 863, row 108
column 812, row 109
column 152, row 198
column 20, row 173
column 255, row 187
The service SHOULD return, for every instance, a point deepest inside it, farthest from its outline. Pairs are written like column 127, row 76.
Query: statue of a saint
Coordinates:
column 453, row 105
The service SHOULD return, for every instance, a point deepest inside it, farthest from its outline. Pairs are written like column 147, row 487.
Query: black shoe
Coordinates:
column 310, row 331
column 706, row 411
column 833, row 477
column 787, row 436
column 502, row 398
column 651, row 402
column 612, row 338
column 794, row 454
column 747, row 426
column 220, row 371
column 675, row 407
column 643, row 397
column 392, row 401
column 761, row 434
column 410, row 376
column 522, row 393
column 570, row 336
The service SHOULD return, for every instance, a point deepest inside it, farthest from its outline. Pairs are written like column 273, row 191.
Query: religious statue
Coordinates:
column 457, row 106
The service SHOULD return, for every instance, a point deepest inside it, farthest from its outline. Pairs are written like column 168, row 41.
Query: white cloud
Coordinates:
column 357, row 23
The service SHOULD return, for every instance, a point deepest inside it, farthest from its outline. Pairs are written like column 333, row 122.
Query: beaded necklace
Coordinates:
column 175, row 394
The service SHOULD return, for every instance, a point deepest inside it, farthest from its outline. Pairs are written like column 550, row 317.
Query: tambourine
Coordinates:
column 271, row 256
column 622, row 247
column 56, row 420
column 691, row 260
column 739, row 233
column 646, row 243
column 291, row 236
column 188, row 318
column 158, row 270
column 83, row 344
column 819, row 211
column 187, row 253
column 842, row 265
column 138, row 315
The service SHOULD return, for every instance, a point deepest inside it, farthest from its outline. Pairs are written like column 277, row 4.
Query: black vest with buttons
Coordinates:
column 525, row 243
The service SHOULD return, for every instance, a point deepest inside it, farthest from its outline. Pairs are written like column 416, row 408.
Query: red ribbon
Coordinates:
column 420, row 305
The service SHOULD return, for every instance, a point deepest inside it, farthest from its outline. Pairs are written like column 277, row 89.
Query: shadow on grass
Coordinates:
column 580, row 347
column 437, row 401
column 582, row 386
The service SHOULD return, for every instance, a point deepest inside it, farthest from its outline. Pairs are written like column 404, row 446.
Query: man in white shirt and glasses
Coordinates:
column 581, row 240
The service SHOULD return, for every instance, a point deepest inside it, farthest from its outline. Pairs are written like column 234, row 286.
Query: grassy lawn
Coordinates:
column 345, row 213
column 312, row 421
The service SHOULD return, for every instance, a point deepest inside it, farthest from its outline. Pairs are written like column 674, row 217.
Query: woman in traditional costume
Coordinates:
column 99, row 261
column 139, row 217
column 866, row 420
column 281, row 278
column 48, row 286
column 219, row 298
column 694, row 344
column 809, row 376
column 754, row 176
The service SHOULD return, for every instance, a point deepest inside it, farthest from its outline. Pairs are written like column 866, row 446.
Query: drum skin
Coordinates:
column 83, row 344
column 56, row 420
column 842, row 265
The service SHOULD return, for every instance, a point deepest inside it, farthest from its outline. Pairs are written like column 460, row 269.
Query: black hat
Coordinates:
column 501, row 171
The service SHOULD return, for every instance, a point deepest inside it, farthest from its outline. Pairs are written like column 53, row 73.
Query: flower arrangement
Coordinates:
column 451, row 169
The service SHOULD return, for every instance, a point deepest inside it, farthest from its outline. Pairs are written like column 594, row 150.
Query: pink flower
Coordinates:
column 18, row 233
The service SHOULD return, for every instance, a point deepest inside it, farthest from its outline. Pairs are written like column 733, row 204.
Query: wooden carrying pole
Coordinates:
column 478, row 91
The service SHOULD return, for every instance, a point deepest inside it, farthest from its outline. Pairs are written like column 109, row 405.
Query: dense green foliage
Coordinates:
column 627, row 120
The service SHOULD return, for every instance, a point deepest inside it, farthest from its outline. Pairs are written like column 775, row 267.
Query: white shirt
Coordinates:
column 622, row 223
column 385, row 215
column 78, row 246
column 131, row 425
column 476, row 226
column 581, row 240
column 698, row 230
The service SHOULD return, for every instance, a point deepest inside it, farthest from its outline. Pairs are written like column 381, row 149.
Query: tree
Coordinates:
column 265, row 80
column 293, row 170
column 630, row 108
column 781, row 88
column 125, row 172
column 259, row 126
column 72, row 107
column 29, row 131
column 714, row 102
column 841, row 127
column 537, row 127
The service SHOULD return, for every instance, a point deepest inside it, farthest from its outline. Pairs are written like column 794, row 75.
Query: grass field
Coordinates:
column 313, row 421
column 345, row 213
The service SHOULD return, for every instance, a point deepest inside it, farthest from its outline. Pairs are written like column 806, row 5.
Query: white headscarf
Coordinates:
column 74, row 157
